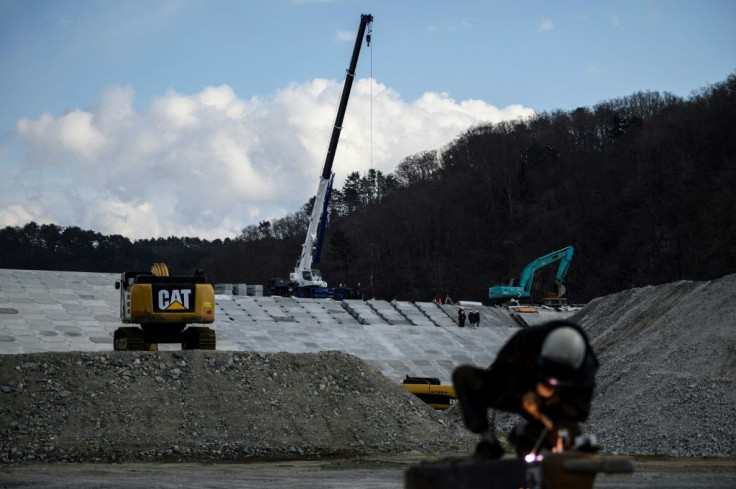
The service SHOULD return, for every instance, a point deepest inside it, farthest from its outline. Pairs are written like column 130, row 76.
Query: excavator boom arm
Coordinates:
column 564, row 256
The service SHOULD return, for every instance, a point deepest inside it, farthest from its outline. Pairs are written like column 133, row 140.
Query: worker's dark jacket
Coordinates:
column 514, row 372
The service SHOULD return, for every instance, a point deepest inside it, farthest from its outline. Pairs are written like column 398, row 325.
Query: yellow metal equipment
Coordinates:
column 431, row 391
column 163, row 306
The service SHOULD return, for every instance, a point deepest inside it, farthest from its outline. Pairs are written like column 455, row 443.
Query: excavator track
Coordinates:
column 130, row 338
column 198, row 338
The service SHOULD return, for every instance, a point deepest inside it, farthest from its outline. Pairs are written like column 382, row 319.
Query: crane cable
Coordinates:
column 370, row 38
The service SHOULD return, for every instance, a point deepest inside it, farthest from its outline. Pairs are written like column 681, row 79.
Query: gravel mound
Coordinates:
column 667, row 380
column 208, row 405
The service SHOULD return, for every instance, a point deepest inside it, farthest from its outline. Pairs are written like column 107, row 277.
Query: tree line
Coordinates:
column 52, row 247
column 642, row 186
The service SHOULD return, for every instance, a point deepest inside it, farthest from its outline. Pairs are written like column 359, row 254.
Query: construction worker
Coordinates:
column 545, row 373
column 474, row 318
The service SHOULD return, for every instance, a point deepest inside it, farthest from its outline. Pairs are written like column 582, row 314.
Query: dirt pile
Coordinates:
column 667, row 380
column 195, row 405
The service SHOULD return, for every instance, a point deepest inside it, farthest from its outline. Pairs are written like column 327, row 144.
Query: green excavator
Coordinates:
column 522, row 290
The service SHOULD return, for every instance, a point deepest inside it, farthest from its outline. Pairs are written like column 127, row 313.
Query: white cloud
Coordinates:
column 615, row 21
column 345, row 36
column 545, row 25
column 303, row 2
column 72, row 132
column 18, row 215
column 210, row 163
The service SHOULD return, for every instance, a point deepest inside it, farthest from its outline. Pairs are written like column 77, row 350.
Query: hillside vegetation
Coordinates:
column 642, row 186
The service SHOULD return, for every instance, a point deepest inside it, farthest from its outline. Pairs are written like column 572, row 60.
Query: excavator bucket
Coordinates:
column 561, row 290
column 557, row 293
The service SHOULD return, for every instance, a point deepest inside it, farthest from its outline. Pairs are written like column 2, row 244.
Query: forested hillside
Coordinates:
column 642, row 186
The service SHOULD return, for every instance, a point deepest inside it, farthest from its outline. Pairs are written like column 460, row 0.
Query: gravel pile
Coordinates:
column 667, row 378
column 667, row 381
column 208, row 406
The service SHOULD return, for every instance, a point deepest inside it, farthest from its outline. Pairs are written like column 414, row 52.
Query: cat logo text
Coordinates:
column 174, row 299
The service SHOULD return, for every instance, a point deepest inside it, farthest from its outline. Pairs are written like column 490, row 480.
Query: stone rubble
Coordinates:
column 208, row 406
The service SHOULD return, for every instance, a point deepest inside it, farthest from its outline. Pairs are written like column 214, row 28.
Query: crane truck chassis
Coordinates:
column 164, row 307
column 284, row 288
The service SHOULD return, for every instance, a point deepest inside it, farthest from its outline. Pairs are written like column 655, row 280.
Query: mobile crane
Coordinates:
column 306, row 281
column 499, row 293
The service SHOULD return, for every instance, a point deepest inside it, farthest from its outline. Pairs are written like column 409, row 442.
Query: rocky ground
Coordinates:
column 667, row 385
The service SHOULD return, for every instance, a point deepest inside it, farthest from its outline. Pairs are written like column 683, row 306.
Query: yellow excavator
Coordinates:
column 164, row 306
column 431, row 391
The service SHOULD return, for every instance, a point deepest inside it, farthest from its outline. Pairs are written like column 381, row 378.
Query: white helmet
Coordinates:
column 563, row 352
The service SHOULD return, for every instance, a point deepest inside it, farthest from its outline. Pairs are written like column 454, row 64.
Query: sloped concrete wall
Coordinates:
column 77, row 311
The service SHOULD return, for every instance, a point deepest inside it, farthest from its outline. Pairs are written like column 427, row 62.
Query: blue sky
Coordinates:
column 197, row 117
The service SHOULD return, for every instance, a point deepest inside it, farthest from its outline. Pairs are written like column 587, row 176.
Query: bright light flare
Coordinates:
column 533, row 457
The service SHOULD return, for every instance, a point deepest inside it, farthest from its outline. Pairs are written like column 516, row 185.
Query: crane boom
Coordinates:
column 365, row 21
column 303, row 274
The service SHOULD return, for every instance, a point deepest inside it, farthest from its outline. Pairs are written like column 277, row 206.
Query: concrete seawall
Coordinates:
column 78, row 311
